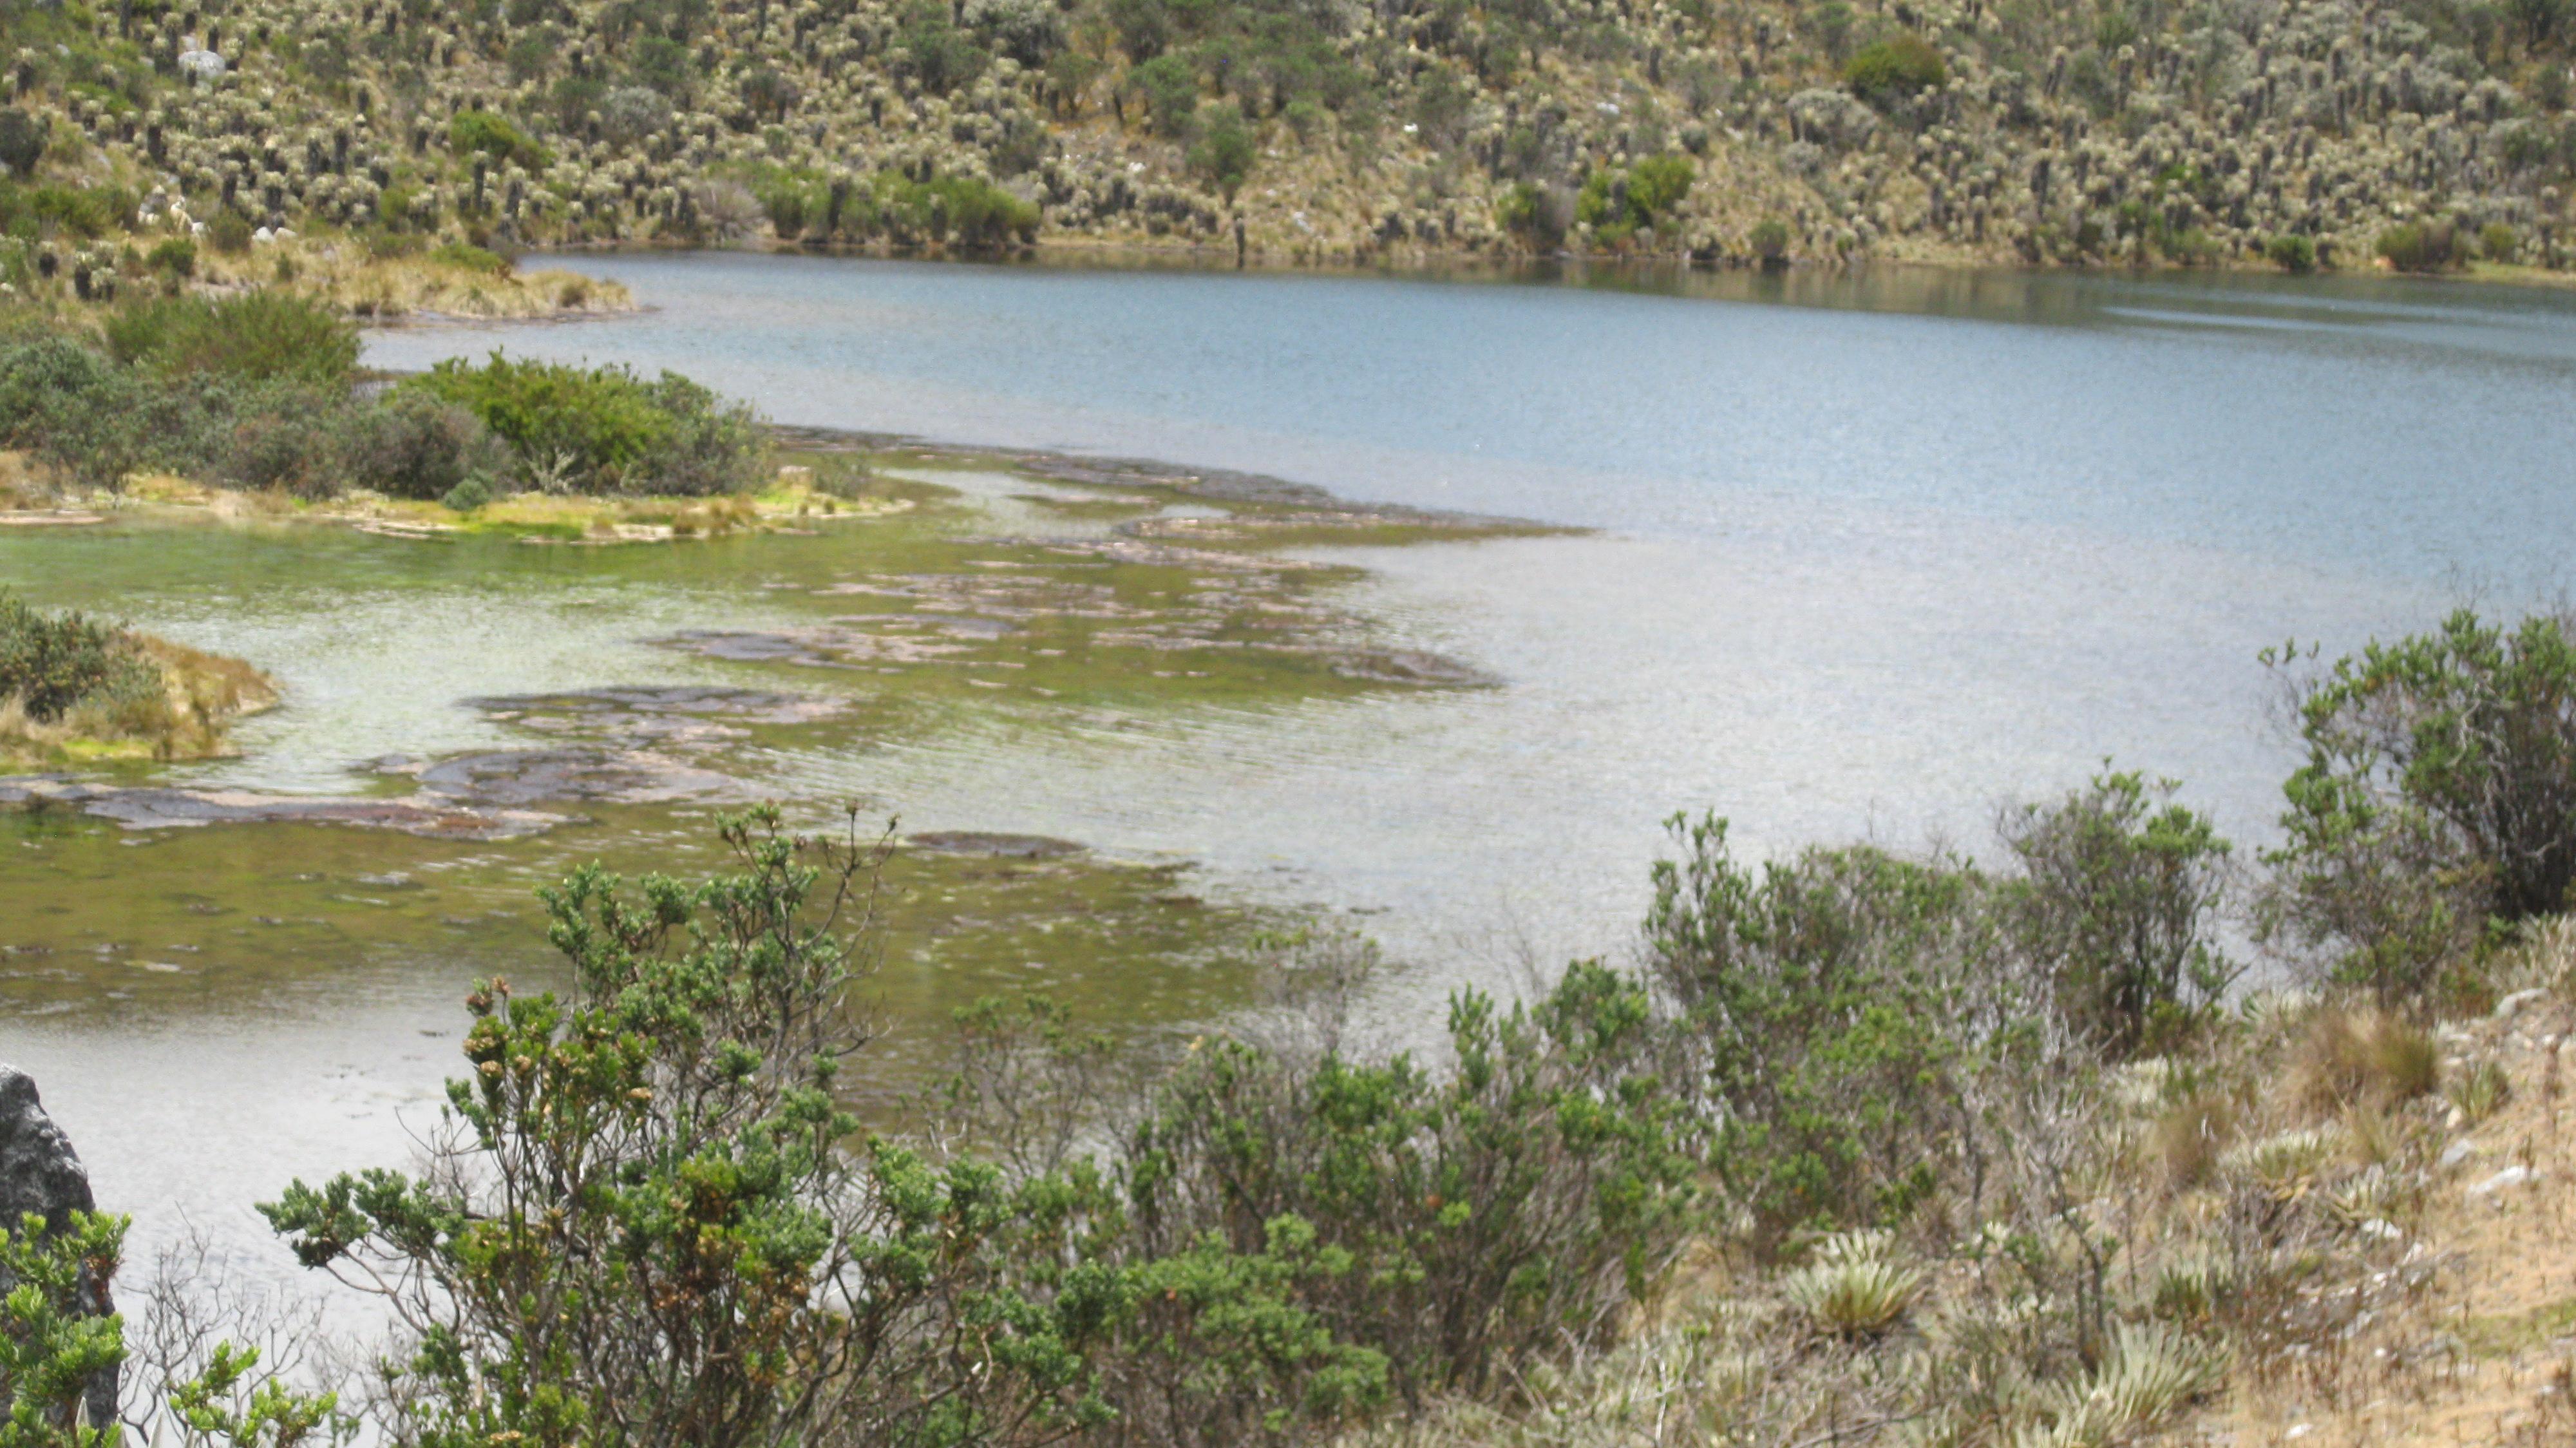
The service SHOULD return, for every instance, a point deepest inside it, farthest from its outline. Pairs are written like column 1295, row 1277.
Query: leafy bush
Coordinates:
column 1896, row 68
column 2292, row 253
column 50, row 664
column 1169, row 87
column 1618, row 203
column 1819, row 989
column 2430, row 246
column 1224, row 150
column 413, row 445
column 174, row 257
column 229, row 232
column 649, row 1232
column 470, row 257
column 2123, row 895
column 482, row 132
column 55, row 1343
column 262, row 336
column 612, row 430
column 282, row 437
column 2439, row 790
column 22, row 140
column 1769, row 239
column 466, row 496
column 2498, row 242
column 1512, row 1204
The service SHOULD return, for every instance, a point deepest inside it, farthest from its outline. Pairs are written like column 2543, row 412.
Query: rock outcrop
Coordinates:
column 41, row 1175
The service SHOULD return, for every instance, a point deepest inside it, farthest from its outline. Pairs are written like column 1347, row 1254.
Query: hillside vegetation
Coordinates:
column 2298, row 133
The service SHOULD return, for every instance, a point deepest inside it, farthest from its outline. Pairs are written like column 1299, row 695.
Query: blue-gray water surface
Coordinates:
column 1877, row 552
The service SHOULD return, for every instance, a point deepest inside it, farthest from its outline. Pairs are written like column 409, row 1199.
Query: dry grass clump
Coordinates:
column 2362, row 1055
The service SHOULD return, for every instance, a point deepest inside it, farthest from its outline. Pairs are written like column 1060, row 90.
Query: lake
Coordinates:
column 1871, row 553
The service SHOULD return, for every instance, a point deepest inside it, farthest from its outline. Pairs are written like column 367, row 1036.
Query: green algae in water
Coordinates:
column 223, row 919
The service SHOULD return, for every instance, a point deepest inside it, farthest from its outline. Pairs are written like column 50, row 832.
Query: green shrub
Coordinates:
column 22, row 141
column 410, row 444
column 1825, row 991
column 174, row 257
column 2497, row 242
column 1619, row 203
column 649, row 1230
column 229, row 232
column 2439, row 791
column 50, row 663
column 2292, row 253
column 1769, row 240
column 1169, row 86
column 2122, row 894
column 260, row 336
column 56, row 1345
column 467, row 495
column 2430, row 246
column 281, row 437
column 1896, row 68
column 1483, row 1214
column 471, row 258
column 609, row 429
column 482, row 132
column 1224, row 150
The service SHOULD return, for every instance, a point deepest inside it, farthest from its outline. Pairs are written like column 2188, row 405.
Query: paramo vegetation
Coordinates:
column 1862, row 1143
column 2297, row 133
column 260, row 391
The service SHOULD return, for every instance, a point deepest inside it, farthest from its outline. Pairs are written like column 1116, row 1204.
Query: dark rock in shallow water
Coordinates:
column 41, row 1175
column 1000, row 846
column 155, row 807
column 527, row 776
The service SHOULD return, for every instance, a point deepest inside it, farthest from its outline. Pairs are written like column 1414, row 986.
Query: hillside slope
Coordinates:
column 2035, row 130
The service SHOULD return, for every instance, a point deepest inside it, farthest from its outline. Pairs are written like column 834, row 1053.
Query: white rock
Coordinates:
column 2504, row 1009
column 263, row 236
column 2512, row 1176
column 2457, row 1152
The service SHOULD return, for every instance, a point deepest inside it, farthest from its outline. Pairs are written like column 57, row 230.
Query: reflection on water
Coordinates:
column 1877, row 552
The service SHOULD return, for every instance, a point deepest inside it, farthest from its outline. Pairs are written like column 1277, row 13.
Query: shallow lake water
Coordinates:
column 1870, row 553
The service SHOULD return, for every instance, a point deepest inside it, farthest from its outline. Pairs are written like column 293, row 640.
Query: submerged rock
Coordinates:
column 157, row 807
column 999, row 846
column 40, row 1175
column 531, row 776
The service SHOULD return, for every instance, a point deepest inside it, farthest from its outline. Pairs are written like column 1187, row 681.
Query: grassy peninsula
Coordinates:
column 399, row 151
column 74, row 690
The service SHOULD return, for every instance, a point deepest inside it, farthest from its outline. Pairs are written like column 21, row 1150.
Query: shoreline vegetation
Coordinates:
column 75, row 691
column 1859, row 1144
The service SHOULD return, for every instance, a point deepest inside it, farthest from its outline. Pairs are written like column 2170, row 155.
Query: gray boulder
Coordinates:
column 41, row 1174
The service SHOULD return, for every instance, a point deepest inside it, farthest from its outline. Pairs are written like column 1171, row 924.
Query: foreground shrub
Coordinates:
column 606, row 429
column 1619, row 203
column 1812, row 986
column 2121, row 891
column 646, row 1220
column 56, row 1344
column 2439, row 791
column 1506, row 1208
